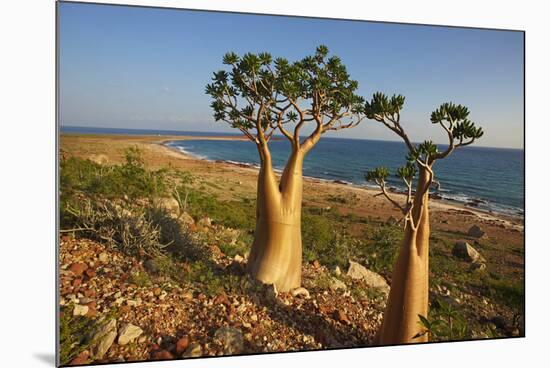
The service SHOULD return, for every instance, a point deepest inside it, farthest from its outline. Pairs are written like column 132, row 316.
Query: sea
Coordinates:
column 490, row 179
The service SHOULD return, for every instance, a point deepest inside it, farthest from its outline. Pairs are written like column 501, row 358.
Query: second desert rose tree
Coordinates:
column 408, row 299
column 262, row 96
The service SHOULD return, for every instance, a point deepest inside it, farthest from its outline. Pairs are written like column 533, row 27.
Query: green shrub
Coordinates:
column 131, row 178
column 76, row 332
column 507, row 292
column 382, row 248
column 73, row 335
column 140, row 279
column 317, row 238
column 445, row 323
column 234, row 214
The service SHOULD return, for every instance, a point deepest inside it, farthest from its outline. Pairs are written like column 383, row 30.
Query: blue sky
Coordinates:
column 143, row 68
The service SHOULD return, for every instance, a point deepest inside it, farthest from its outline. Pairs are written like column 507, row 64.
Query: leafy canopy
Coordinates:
column 451, row 117
column 259, row 94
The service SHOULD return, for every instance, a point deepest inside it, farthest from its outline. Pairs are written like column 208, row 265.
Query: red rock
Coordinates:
column 340, row 316
column 157, row 291
column 81, row 358
column 90, row 293
column 77, row 282
column 92, row 304
column 182, row 345
column 325, row 309
column 78, row 268
column 162, row 355
column 90, row 273
column 92, row 312
column 222, row 299
column 315, row 264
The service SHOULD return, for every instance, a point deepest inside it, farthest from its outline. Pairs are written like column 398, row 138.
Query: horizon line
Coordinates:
column 275, row 135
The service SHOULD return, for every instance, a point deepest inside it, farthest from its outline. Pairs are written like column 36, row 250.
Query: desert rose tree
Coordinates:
column 262, row 96
column 408, row 299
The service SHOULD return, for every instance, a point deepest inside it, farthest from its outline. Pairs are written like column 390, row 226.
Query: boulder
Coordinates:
column 341, row 317
column 103, row 338
column 336, row 284
column 78, row 268
column 300, row 292
column 205, row 222
column 478, row 266
column 162, row 355
column 186, row 219
column 194, row 350
column 238, row 258
column 476, row 232
column 80, row 310
column 466, row 252
column 151, row 266
column 231, row 339
column 372, row 279
column 81, row 358
column 128, row 333
column 103, row 257
column 168, row 203
column 182, row 344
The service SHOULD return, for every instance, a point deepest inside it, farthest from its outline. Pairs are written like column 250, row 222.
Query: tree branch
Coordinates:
column 382, row 185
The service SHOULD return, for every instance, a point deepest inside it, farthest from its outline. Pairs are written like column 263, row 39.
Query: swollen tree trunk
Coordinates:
column 410, row 278
column 276, row 254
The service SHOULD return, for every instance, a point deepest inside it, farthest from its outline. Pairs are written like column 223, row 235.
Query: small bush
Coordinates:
column 76, row 332
column 125, row 227
column 131, row 179
column 445, row 323
column 383, row 248
column 73, row 336
column 140, row 279
column 317, row 237
column 234, row 214
column 507, row 292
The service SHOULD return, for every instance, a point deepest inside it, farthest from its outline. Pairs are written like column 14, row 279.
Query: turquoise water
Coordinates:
column 490, row 177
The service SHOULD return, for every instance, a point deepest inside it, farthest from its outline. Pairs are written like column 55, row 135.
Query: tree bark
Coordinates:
column 410, row 279
column 276, row 254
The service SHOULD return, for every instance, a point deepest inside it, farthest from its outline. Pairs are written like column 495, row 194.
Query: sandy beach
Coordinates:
column 241, row 180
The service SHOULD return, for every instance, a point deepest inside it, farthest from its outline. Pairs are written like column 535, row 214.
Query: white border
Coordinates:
column 27, row 206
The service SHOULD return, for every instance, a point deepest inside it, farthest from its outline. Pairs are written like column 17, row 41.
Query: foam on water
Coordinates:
column 481, row 178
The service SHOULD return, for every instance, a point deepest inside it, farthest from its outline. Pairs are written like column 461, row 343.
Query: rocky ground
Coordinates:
column 161, row 319
column 116, row 306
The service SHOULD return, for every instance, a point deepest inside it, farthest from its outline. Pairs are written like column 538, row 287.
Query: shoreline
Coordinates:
column 440, row 203
column 110, row 147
